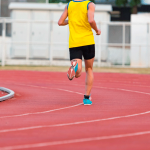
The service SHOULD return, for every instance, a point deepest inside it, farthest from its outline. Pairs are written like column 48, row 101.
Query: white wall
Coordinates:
column 8, row 46
column 102, row 17
column 41, row 32
column 140, row 39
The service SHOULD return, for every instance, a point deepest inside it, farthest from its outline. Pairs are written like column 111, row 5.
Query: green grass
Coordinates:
column 64, row 69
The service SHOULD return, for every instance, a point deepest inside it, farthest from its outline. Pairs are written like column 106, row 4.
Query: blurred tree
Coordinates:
column 121, row 2
column 132, row 3
column 41, row 1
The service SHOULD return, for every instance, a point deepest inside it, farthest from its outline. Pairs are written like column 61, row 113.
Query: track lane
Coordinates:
column 115, row 104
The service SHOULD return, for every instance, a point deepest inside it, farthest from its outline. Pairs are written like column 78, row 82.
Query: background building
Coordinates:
column 119, row 14
column 5, row 12
column 116, row 45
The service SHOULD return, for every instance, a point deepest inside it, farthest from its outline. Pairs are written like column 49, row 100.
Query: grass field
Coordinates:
column 64, row 69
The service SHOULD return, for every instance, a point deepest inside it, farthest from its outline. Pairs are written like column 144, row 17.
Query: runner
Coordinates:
column 81, row 41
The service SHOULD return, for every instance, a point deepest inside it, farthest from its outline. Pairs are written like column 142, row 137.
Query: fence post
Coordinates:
column 99, row 47
column 28, row 43
column 51, row 44
column 140, row 60
column 148, row 44
column 66, row 54
column 123, row 46
column 4, row 42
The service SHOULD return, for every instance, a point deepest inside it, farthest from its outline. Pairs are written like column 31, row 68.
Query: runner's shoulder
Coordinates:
column 91, row 4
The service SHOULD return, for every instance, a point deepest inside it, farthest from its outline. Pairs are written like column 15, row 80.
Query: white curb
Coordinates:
column 8, row 96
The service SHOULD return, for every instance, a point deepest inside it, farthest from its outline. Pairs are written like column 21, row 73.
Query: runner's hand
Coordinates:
column 98, row 32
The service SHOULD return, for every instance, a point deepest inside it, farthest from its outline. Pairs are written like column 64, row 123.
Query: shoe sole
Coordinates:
column 71, row 73
column 87, row 104
column 69, row 78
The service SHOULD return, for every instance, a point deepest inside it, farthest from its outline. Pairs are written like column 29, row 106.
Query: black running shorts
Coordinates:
column 88, row 52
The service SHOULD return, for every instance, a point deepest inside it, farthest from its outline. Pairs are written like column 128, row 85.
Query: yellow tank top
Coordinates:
column 80, row 30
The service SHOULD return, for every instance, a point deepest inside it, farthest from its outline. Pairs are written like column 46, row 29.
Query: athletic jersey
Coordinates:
column 80, row 30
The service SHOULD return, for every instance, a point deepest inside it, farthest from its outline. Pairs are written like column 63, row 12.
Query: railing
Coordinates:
column 29, row 49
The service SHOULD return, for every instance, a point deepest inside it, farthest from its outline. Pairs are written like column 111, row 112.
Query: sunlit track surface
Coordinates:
column 47, row 112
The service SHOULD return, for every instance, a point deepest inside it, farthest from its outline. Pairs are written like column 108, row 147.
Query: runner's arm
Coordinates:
column 62, row 21
column 91, row 10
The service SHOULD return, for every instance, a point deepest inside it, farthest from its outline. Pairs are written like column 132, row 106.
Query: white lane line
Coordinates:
column 65, row 91
column 116, row 89
column 100, row 84
column 49, row 88
column 74, row 141
column 120, row 83
column 82, row 85
column 42, row 112
column 72, row 123
column 48, row 111
column 122, row 90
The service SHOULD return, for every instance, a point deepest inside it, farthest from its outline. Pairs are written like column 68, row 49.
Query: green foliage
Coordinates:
column 135, row 2
column 130, row 2
column 92, row 1
column 121, row 2
column 41, row 1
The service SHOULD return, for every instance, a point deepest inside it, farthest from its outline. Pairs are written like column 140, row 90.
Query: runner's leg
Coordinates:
column 89, row 75
column 79, row 71
column 76, row 63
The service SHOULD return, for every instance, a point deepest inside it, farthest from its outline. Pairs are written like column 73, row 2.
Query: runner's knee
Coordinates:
column 87, row 69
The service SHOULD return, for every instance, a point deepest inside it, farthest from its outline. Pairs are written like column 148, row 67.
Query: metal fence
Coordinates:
column 24, row 42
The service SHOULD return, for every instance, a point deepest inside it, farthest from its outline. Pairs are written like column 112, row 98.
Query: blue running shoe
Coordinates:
column 72, row 70
column 87, row 102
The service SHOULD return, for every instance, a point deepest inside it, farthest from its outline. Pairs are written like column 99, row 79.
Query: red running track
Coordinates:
column 47, row 112
column 2, row 93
